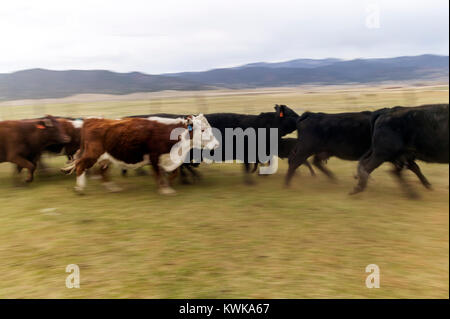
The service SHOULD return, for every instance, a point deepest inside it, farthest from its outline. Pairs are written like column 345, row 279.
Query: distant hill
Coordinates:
column 298, row 63
column 40, row 83
column 423, row 67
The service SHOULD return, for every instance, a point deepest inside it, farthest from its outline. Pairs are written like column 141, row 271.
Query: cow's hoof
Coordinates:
column 355, row 191
column 79, row 190
column 413, row 195
column 167, row 191
column 333, row 180
column 65, row 171
column 185, row 181
column 141, row 172
column 19, row 184
column 249, row 181
column 112, row 187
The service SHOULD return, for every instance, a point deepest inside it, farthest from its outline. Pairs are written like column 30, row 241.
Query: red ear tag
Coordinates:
column 41, row 127
column 281, row 114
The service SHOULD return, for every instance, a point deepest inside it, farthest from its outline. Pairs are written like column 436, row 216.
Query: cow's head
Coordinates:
column 52, row 131
column 201, row 125
column 285, row 119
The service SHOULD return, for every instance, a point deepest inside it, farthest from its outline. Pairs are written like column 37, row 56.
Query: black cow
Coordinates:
column 283, row 119
column 404, row 135
column 343, row 135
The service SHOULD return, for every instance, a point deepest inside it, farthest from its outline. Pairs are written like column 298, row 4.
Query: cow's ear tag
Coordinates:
column 190, row 128
column 281, row 114
column 41, row 127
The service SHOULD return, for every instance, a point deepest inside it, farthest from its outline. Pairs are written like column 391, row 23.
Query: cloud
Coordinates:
column 176, row 35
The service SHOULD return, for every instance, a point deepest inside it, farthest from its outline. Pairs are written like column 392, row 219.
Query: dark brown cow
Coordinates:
column 22, row 142
column 135, row 142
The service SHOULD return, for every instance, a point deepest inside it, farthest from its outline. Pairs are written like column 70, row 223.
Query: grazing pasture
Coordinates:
column 221, row 238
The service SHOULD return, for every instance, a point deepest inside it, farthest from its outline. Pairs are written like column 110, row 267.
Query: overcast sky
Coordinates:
column 179, row 35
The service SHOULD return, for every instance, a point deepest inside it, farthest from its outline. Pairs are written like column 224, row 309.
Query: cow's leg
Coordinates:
column 297, row 157
column 294, row 163
column 24, row 163
column 173, row 175
column 311, row 170
column 16, row 177
column 87, row 160
column 183, row 175
column 193, row 172
column 247, row 174
column 161, row 182
column 398, row 173
column 82, row 166
column 411, row 165
column 318, row 162
column 141, row 172
column 365, row 167
column 106, row 181
column 81, row 182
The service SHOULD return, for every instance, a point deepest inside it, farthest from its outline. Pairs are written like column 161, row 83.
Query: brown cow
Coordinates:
column 22, row 142
column 135, row 142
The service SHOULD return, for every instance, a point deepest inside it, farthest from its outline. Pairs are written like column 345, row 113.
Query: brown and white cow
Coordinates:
column 22, row 142
column 134, row 142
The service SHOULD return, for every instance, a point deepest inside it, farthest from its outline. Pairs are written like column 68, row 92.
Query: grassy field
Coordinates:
column 221, row 238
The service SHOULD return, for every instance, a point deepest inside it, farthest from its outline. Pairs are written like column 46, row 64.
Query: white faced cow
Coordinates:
column 134, row 142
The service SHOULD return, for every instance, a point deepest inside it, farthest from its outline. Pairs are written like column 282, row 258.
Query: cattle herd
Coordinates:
column 398, row 135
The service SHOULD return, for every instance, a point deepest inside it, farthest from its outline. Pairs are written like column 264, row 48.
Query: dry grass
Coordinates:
column 221, row 238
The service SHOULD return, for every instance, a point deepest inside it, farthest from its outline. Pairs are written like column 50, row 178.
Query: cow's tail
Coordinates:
column 69, row 168
column 72, row 164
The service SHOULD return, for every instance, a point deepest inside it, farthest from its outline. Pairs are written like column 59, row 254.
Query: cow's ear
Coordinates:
column 190, row 122
column 281, row 110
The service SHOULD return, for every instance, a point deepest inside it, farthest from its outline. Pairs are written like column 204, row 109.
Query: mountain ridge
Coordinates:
column 41, row 83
